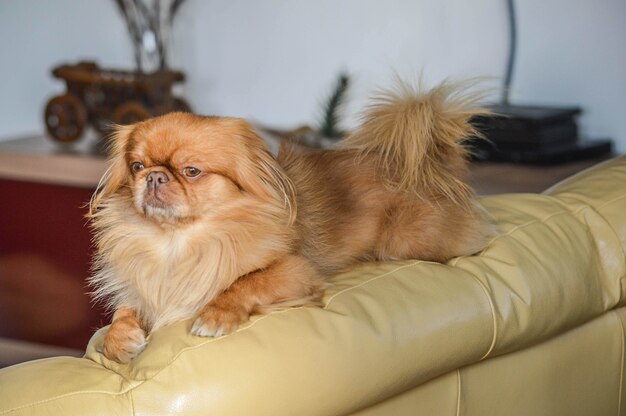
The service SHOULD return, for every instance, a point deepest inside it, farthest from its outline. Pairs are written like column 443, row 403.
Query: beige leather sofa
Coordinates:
column 534, row 325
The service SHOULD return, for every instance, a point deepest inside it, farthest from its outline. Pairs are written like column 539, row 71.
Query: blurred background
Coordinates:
column 275, row 60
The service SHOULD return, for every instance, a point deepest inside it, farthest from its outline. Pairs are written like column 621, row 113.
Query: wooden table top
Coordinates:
column 490, row 178
column 40, row 159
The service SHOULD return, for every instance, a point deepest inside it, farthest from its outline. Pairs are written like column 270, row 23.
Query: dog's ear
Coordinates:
column 116, row 175
column 261, row 175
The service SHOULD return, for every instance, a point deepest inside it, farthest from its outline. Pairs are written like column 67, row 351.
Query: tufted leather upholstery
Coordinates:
column 533, row 325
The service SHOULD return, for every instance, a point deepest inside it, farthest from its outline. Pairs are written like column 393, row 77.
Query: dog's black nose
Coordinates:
column 155, row 179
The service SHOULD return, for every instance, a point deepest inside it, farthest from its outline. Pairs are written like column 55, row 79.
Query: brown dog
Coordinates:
column 195, row 218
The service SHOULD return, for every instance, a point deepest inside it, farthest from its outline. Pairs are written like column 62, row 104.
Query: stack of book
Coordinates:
column 532, row 134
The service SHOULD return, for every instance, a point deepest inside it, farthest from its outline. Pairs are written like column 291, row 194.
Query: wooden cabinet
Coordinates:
column 45, row 242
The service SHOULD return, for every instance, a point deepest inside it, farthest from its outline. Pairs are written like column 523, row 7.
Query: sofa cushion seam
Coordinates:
column 551, row 215
column 621, row 371
column 348, row 289
column 63, row 396
column 597, row 211
column 522, row 226
column 611, row 201
column 509, row 233
column 459, row 385
column 492, row 308
column 132, row 401
column 494, row 317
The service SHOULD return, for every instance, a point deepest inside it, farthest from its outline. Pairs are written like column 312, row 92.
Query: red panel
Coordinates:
column 45, row 255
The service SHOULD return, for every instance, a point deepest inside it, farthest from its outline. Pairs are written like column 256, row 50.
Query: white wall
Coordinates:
column 275, row 60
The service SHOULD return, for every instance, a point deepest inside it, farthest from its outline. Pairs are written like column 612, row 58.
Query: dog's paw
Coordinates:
column 123, row 342
column 215, row 321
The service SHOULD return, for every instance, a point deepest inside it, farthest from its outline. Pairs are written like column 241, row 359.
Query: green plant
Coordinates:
column 329, row 125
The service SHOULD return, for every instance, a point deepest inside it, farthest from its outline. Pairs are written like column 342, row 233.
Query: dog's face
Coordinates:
column 181, row 168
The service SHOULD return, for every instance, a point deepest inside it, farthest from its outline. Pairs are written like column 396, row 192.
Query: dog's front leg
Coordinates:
column 125, row 338
column 292, row 280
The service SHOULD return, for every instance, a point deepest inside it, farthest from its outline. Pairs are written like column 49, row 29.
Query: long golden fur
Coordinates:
column 195, row 218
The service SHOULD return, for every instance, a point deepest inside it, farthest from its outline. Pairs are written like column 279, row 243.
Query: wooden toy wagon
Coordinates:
column 101, row 97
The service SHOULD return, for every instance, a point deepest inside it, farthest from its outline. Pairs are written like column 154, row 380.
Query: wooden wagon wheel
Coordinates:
column 130, row 112
column 65, row 118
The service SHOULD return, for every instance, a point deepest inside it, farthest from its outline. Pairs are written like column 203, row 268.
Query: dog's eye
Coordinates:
column 136, row 167
column 191, row 172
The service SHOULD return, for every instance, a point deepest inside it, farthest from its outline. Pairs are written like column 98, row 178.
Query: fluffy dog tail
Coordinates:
column 416, row 137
